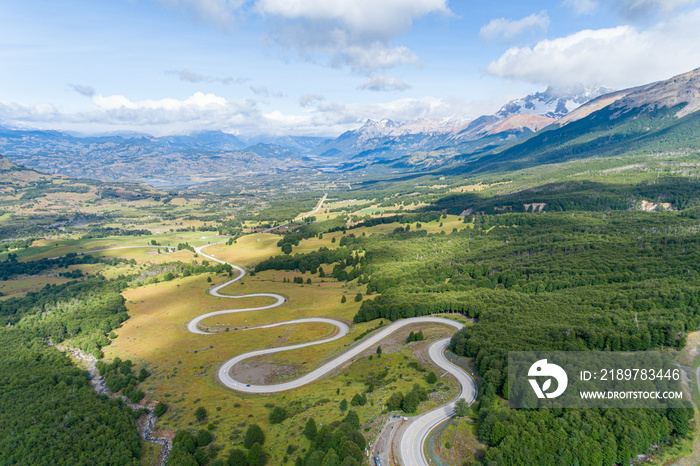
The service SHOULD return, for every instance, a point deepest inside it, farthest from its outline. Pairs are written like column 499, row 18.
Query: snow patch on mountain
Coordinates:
column 553, row 102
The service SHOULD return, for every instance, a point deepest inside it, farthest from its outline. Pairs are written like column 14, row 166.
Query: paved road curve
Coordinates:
column 416, row 434
column 193, row 325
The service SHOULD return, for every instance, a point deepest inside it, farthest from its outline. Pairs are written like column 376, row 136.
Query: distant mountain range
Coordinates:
column 161, row 161
column 557, row 124
column 387, row 139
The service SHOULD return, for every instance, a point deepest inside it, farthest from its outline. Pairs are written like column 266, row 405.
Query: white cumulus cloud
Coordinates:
column 357, row 33
column 202, row 111
column 506, row 30
column 617, row 57
column 376, row 19
column 19, row 113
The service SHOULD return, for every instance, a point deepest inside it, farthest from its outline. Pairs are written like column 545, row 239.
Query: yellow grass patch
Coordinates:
column 19, row 287
column 248, row 250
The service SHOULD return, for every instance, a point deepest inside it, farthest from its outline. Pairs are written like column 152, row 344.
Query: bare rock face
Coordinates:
column 684, row 88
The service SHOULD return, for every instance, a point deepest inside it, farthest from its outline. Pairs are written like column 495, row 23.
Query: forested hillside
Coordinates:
column 569, row 281
column 50, row 413
column 604, row 133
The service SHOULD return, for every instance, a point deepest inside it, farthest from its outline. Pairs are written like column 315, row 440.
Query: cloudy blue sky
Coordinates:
column 318, row 67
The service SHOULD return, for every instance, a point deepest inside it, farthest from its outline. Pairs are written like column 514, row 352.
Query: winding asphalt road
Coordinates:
column 214, row 291
column 416, row 434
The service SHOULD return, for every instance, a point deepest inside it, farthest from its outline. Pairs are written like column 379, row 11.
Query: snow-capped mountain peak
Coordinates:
column 554, row 102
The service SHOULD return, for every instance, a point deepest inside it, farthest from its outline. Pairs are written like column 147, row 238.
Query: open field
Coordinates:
column 61, row 247
column 20, row 287
column 248, row 250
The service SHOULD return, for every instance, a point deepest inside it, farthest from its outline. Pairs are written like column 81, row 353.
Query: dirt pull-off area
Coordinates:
column 257, row 371
column 383, row 447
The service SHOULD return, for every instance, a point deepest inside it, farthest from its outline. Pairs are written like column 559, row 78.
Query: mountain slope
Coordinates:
column 384, row 141
column 12, row 174
column 661, row 116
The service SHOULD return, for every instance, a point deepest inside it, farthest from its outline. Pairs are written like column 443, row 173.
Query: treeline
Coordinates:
column 186, row 246
column 309, row 230
column 230, row 227
column 397, row 306
column 581, row 195
column 103, row 232
column 18, row 244
column 172, row 270
column 11, row 267
column 311, row 262
column 423, row 217
column 42, row 187
column 278, row 211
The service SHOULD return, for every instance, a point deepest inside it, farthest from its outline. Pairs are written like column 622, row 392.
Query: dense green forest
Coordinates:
column 574, row 436
column 564, row 281
column 50, row 413
column 11, row 267
column 559, row 281
column 583, row 195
